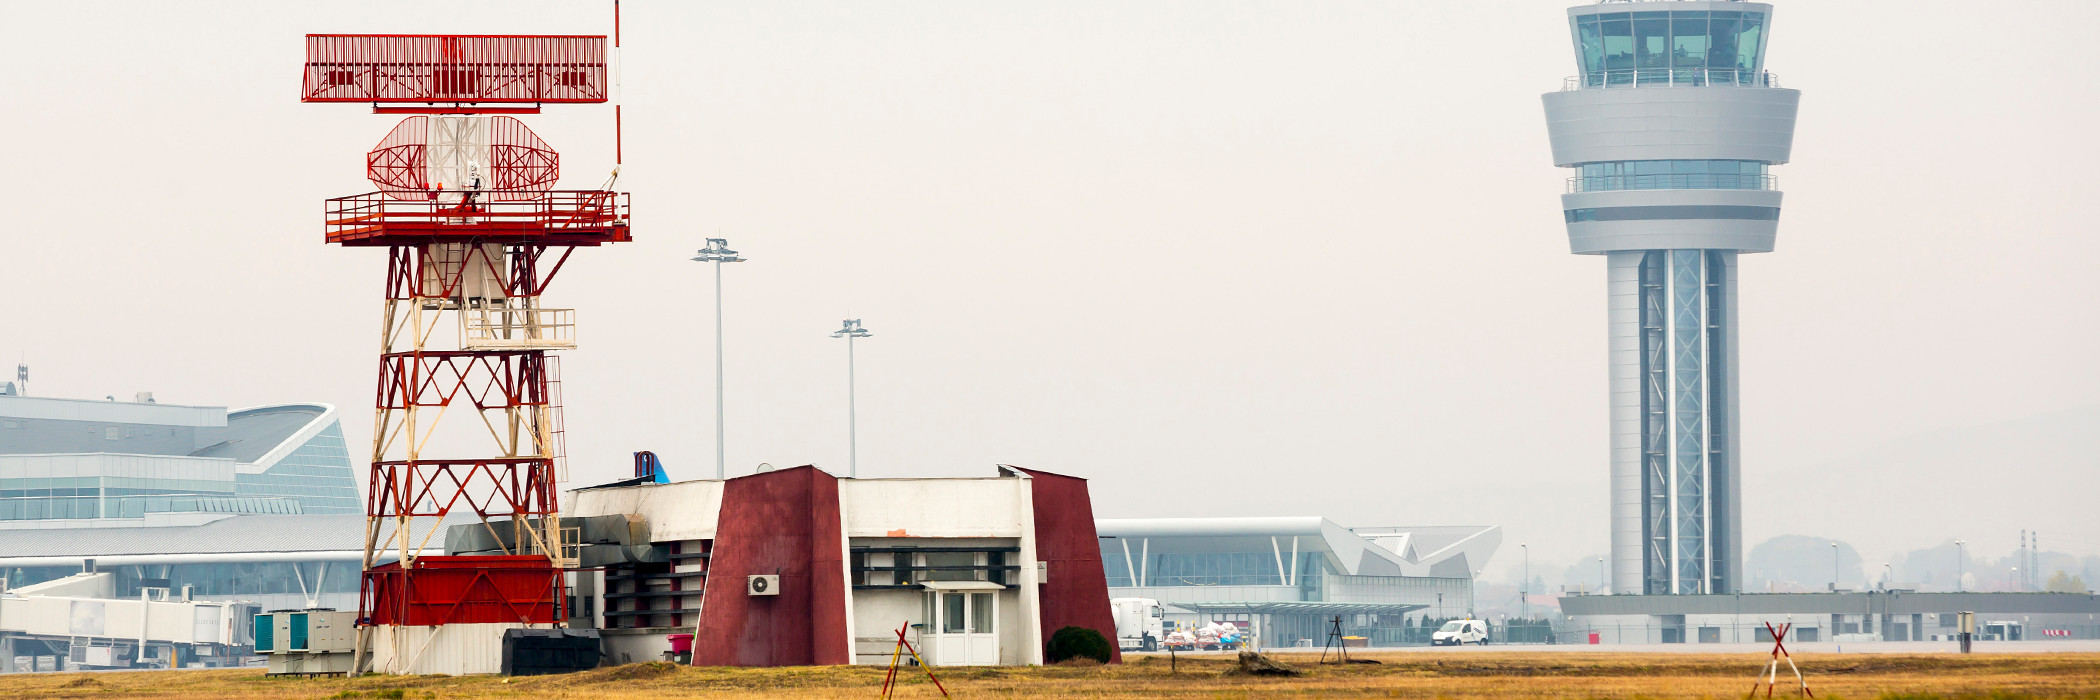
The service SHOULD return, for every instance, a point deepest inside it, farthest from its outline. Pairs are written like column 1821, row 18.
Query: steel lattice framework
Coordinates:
column 474, row 238
column 435, row 73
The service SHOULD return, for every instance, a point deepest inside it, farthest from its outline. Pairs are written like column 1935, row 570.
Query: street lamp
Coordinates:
column 1603, row 579
column 1961, row 556
column 718, row 252
column 849, row 331
column 1525, row 590
column 1886, row 573
column 1833, row 567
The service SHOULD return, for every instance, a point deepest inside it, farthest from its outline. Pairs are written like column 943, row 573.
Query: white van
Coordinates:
column 1458, row 632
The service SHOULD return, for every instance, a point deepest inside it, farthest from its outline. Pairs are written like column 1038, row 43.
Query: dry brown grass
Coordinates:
column 1478, row 675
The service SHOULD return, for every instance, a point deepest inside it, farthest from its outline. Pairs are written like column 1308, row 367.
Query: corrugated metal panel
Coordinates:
column 453, row 590
column 453, row 650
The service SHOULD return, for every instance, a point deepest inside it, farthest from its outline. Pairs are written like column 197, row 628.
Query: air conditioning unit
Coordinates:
column 763, row 584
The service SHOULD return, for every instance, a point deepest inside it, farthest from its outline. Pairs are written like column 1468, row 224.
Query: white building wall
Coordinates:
column 686, row 510
column 932, row 507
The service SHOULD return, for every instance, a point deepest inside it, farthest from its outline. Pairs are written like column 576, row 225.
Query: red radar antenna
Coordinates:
column 467, row 416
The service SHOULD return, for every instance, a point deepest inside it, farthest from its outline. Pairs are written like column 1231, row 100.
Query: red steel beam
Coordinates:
column 428, row 69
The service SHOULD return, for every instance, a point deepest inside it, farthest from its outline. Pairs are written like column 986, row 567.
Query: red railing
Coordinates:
column 561, row 217
column 418, row 68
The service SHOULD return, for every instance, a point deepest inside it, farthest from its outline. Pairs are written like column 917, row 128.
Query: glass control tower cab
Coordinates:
column 1671, row 126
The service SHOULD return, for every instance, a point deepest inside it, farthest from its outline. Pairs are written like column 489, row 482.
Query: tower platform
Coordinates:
column 554, row 218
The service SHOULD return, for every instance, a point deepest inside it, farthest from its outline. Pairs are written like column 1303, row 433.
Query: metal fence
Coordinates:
column 1805, row 630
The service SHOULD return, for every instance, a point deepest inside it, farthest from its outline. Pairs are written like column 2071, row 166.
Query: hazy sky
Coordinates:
column 1220, row 258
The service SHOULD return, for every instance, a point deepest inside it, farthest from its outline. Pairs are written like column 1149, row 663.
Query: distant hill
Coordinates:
column 1800, row 563
column 1982, row 483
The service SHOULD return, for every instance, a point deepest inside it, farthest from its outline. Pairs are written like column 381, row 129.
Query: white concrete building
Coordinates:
column 798, row 567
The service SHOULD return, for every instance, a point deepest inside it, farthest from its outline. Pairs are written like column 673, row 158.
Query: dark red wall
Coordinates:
column 787, row 523
column 1077, row 593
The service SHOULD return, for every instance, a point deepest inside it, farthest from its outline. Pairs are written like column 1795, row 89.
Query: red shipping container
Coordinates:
column 463, row 590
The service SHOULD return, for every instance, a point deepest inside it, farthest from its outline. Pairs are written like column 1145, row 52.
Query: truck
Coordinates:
column 1139, row 623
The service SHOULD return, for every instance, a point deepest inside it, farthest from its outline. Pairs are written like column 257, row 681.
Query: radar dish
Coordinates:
column 451, row 152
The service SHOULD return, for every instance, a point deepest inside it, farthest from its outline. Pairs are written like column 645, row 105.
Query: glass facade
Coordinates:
column 314, row 478
column 1207, row 568
column 317, row 475
column 228, row 579
column 81, row 498
column 1671, row 212
column 1618, row 48
column 1672, row 175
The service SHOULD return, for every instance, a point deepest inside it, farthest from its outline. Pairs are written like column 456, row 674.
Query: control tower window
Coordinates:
column 1720, row 39
column 1651, row 39
column 1748, row 40
column 1688, row 39
column 1683, row 40
column 1618, row 43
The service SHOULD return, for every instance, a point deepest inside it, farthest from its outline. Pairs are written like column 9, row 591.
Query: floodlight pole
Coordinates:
column 1960, row 555
column 1524, row 591
column 718, row 252
column 849, row 330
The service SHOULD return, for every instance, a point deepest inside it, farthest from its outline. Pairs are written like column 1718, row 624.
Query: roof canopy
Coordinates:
column 1300, row 607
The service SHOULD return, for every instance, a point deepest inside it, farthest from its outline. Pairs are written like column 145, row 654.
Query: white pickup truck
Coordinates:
column 1139, row 623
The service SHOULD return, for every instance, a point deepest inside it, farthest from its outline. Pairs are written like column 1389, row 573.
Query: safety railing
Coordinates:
column 595, row 215
column 1674, row 181
column 92, row 507
column 506, row 328
column 1670, row 77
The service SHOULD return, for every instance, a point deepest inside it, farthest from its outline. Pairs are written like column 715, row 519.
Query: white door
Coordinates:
column 966, row 628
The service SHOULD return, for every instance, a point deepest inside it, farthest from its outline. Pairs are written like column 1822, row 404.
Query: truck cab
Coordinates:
column 1458, row 632
column 1139, row 623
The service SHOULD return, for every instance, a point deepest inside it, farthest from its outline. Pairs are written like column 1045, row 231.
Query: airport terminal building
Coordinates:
column 256, row 504
column 1287, row 578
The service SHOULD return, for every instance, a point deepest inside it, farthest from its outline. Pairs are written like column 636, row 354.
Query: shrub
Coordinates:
column 1075, row 642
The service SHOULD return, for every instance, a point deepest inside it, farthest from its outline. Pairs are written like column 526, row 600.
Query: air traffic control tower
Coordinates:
column 1672, row 125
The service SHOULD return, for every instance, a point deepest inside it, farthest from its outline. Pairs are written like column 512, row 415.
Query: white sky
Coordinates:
column 1220, row 258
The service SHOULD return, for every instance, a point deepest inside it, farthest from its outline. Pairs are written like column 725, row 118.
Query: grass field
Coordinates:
column 1496, row 675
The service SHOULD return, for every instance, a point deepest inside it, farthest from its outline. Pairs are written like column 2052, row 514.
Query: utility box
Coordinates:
column 303, row 642
column 530, row 652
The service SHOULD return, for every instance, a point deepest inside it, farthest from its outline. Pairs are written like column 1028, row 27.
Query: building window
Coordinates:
column 1671, row 175
column 952, row 566
column 981, row 613
column 1721, row 46
column 957, row 608
column 907, row 567
column 1670, row 213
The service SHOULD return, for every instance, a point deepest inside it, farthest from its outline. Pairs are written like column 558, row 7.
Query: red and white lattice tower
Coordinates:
column 475, row 231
